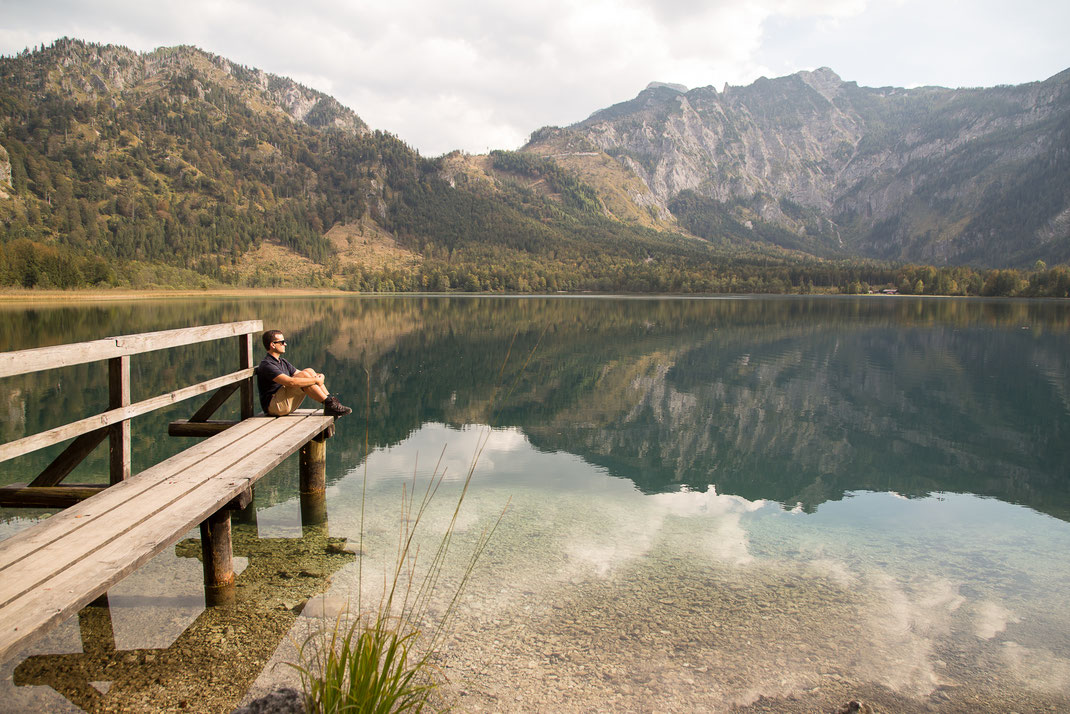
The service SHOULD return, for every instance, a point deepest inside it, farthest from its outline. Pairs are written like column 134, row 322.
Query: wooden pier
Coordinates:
column 51, row 570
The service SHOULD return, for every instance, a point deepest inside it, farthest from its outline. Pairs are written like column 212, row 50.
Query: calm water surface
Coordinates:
column 774, row 504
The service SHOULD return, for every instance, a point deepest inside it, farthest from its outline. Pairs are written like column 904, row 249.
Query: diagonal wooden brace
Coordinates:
column 73, row 455
column 216, row 401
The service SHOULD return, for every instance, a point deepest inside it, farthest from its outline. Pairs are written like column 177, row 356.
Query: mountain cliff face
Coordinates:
column 930, row 174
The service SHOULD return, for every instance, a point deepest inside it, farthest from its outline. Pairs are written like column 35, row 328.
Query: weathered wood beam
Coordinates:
column 245, row 361
column 241, row 501
column 54, row 436
column 119, row 434
column 313, row 467
column 73, row 455
column 209, row 408
column 20, row 495
column 42, row 358
column 245, row 516
column 184, row 427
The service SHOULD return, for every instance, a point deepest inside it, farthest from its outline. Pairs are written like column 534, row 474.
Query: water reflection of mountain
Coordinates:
column 803, row 419
column 785, row 400
column 793, row 400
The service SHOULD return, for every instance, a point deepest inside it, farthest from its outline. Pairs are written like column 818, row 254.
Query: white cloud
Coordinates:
column 482, row 73
column 443, row 451
column 627, row 531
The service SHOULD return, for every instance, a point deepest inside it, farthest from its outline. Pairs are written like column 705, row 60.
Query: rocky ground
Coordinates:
column 676, row 640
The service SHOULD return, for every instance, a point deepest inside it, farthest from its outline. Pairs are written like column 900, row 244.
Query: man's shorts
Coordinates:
column 285, row 401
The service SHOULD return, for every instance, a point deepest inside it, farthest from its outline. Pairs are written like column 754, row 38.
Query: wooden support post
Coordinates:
column 218, row 559
column 314, row 483
column 245, row 360
column 119, row 434
column 314, row 467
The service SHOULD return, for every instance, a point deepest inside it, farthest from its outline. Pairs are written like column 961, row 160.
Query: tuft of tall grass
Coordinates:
column 365, row 667
column 384, row 659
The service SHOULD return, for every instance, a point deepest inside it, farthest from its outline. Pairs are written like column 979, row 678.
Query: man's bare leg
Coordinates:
column 318, row 391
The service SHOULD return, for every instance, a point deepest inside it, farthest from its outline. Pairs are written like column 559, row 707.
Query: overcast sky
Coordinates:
column 483, row 74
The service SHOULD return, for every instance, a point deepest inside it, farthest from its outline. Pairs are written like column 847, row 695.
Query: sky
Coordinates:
column 483, row 74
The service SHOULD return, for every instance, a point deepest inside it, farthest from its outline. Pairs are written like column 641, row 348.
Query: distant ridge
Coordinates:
column 944, row 176
column 678, row 87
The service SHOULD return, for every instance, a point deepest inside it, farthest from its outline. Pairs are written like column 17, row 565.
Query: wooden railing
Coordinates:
column 114, row 423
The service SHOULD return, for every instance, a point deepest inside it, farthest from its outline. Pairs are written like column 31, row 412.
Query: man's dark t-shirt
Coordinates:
column 265, row 378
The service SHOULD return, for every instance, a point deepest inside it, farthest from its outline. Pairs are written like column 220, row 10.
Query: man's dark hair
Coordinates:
column 270, row 336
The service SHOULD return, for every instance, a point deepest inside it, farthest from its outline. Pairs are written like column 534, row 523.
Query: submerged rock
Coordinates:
column 281, row 701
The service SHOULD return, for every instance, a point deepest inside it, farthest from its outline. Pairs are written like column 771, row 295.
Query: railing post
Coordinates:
column 119, row 434
column 245, row 361
column 218, row 552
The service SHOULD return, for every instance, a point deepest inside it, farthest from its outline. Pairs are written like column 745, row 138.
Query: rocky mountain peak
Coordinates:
column 829, row 165
column 667, row 85
column 823, row 80
column 85, row 68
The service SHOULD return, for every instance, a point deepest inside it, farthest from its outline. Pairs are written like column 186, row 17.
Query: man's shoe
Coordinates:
column 333, row 407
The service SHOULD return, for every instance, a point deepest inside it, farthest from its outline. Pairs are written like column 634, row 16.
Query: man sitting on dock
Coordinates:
column 283, row 387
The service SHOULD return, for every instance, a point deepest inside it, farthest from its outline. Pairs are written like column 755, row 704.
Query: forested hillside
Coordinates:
column 177, row 158
column 178, row 168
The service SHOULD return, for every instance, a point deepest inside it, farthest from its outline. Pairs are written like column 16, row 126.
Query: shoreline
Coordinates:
column 13, row 296
column 9, row 296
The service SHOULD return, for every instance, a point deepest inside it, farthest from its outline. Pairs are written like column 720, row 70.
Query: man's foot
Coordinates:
column 333, row 407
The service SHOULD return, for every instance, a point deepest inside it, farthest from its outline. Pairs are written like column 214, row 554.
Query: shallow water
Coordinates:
column 770, row 504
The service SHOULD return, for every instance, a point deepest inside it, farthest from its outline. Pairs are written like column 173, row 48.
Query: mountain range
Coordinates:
column 940, row 176
column 178, row 167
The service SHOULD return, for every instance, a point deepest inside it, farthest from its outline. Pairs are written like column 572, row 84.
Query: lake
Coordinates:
column 738, row 504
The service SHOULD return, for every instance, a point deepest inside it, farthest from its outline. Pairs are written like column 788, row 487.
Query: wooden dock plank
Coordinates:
column 25, row 542
column 168, row 488
column 32, row 612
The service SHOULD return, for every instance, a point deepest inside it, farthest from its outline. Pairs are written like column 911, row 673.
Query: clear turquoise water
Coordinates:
column 769, row 502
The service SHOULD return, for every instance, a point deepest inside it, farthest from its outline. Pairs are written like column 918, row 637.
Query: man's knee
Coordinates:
column 308, row 372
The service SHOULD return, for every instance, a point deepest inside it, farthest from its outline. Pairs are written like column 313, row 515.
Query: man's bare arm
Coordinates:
column 299, row 379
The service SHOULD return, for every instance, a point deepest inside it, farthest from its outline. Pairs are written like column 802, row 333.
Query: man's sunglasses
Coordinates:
column 278, row 342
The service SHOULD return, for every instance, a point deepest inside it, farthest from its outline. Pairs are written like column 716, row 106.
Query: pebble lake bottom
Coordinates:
column 740, row 505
